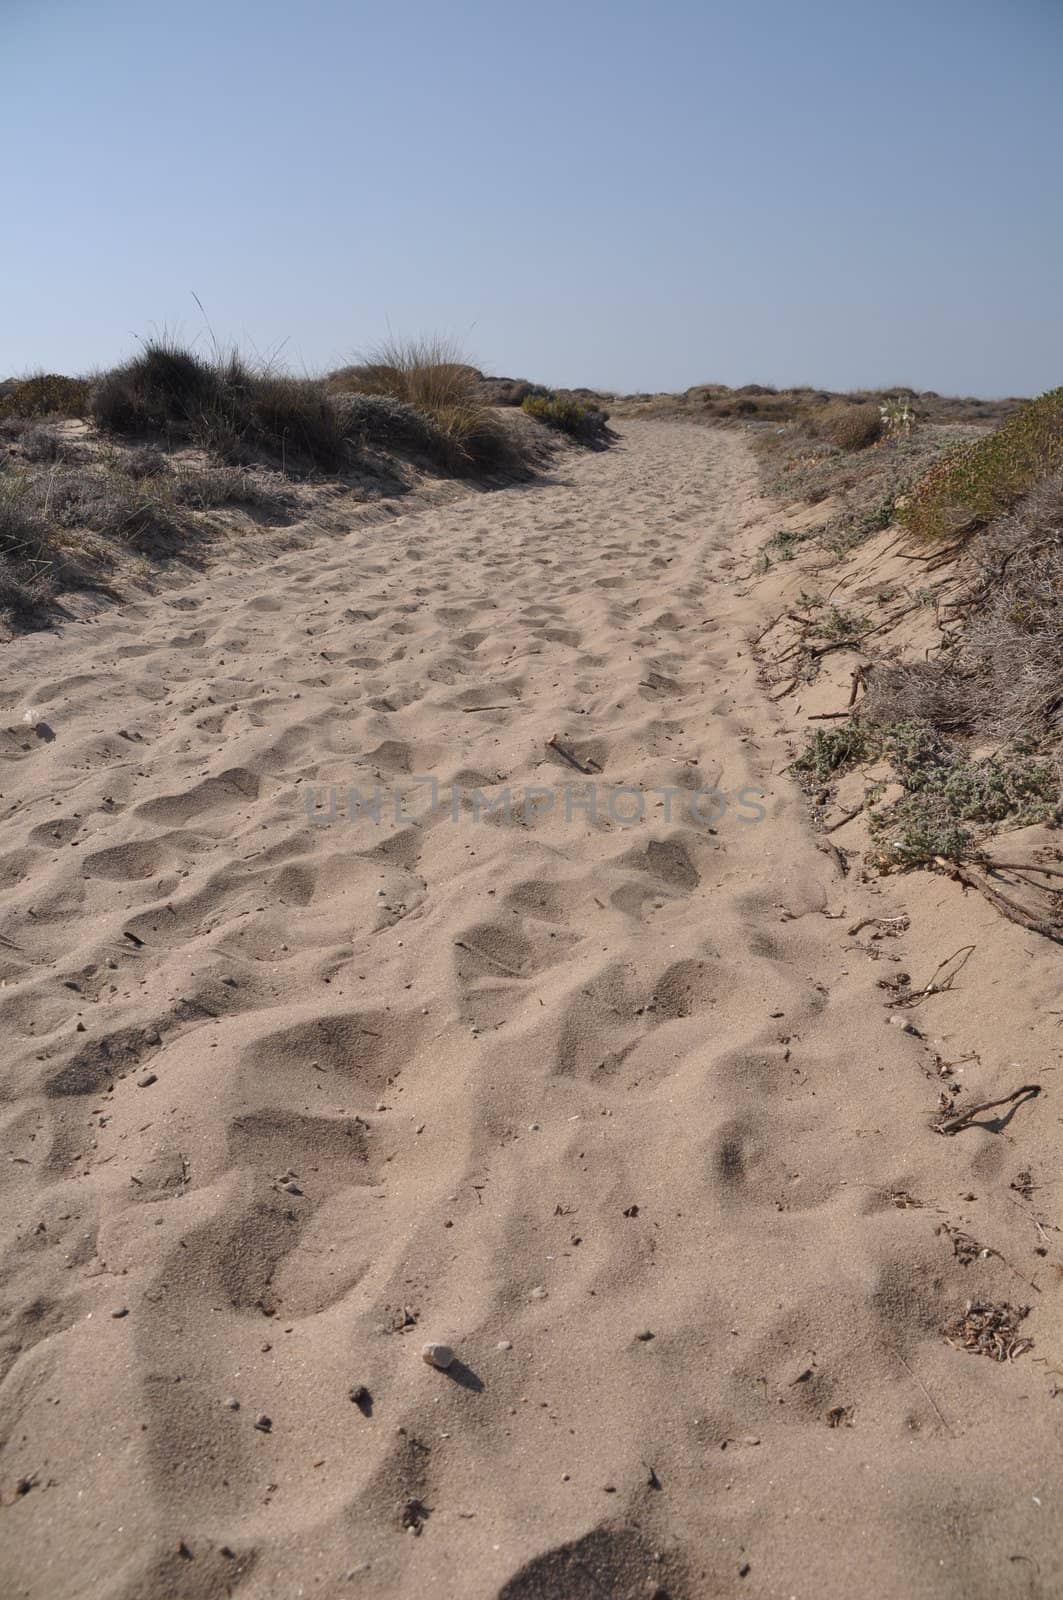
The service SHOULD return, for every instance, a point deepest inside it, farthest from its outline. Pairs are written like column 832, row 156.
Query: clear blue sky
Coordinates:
column 637, row 194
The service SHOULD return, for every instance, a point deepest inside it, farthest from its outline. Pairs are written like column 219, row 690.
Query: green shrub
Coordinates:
column 977, row 482
column 583, row 422
column 46, row 394
column 945, row 793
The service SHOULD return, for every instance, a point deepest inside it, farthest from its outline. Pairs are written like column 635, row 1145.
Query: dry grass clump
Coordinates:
column 39, row 443
column 1014, row 637
column 431, row 377
column 850, row 427
column 66, row 516
column 935, row 692
column 24, row 545
column 233, row 410
column 1004, row 677
column 979, row 481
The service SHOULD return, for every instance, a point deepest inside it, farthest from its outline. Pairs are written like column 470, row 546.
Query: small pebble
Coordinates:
column 263, row 1423
column 538, row 1293
column 438, row 1355
column 232, row 1403
column 504, row 1344
column 360, row 1395
column 122, row 1311
column 146, row 1080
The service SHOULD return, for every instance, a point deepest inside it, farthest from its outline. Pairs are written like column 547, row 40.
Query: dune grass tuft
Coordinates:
column 230, row 408
column 431, row 377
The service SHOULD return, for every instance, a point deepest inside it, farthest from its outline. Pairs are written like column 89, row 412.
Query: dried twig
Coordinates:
column 554, row 743
column 933, row 987
column 848, row 817
column 917, row 1379
column 1020, row 866
column 962, row 1119
column 1009, row 908
column 903, row 923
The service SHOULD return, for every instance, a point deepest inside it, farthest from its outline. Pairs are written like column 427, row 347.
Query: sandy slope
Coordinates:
column 542, row 1087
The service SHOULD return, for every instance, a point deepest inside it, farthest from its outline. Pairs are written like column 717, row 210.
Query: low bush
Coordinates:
column 979, row 481
column 46, row 394
column 947, row 795
column 586, row 423
column 380, row 419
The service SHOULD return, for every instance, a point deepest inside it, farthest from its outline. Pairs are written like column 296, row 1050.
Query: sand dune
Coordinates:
column 546, row 1044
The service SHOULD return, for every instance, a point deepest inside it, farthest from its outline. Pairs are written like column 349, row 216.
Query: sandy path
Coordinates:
column 610, row 1108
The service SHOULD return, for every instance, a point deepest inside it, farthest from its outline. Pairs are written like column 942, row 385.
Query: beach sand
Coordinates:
column 598, row 1088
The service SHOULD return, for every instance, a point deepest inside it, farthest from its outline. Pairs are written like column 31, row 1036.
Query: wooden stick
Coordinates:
column 848, row 817
column 1013, row 912
column 963, row 1118
column 1020, row 866
column 555, row 744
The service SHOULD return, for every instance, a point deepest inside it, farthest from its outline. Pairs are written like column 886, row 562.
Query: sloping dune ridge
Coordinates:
column 419, row 938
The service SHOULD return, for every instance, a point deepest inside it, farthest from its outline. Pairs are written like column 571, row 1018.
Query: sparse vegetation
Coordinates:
column 66, row 515
column 948, row 796
column 979, row 481
column 136, row 458
column 784, row 543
